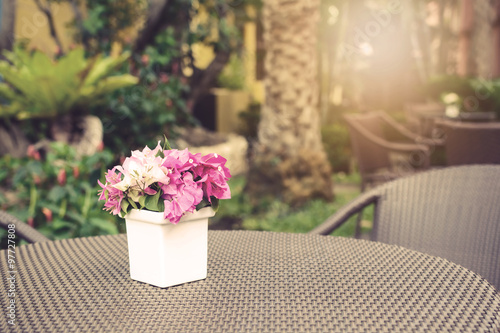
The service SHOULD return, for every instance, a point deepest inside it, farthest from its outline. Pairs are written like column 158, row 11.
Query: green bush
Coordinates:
column 57, row 193
column 37, row 86
column 249, row 121
column 276, row 216
column 233, row 75
column 337, row 146
column 135, row 116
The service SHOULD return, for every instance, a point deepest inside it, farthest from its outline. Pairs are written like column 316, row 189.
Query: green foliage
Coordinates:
column 164, row 50
column 279, row 217
column 106, row 22
column 134, row 117
column 39, row 87
column 249, row 121
column 57, row 194
column 445, row 84
column 233, row 75
column 336, row 142
column 475, row 94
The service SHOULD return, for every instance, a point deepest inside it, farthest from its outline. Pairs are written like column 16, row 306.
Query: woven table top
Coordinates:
column 257, row 281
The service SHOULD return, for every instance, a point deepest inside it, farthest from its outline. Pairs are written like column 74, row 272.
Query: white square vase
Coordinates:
column 165, row 254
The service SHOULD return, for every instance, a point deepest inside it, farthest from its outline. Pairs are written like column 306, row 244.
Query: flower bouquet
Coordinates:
column 166, row 197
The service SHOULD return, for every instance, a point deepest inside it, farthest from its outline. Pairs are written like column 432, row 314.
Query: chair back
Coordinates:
column 452, row 213
column 23, row 230
column 369, row 155
column 422, row 116
column 470, row 142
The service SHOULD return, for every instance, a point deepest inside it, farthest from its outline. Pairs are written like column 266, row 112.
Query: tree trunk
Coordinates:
column 12, row 140
column 495, row 26
column 8, row 22
column 155, row 23
column 289, row 160
column 158, row 18
column 465, row 57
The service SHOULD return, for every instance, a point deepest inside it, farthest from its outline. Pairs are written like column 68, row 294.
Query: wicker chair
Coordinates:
column 471, row 142
column 422, row 117
column 376, row 155
column 23, row 231
column 452, row 213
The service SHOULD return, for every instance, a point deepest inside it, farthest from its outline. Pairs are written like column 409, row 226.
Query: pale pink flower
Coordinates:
column 112, row 195
column 183, row 178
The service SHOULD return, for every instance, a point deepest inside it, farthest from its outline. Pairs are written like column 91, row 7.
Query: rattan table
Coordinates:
column 257, row 281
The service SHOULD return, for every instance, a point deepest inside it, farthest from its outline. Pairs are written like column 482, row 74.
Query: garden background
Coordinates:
column 86, row 82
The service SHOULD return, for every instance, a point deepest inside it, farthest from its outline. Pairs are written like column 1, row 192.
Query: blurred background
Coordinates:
column 265, row 83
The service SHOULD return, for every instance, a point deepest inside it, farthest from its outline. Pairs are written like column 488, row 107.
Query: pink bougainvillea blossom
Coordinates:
column 183, row 179
column 111, row 194
column 214, row 176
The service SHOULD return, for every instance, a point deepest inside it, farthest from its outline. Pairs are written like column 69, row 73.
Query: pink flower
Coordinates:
column 33, row 153
column 76, row 171
column 181, row 198
column 140, row 171
column 112, row 195
column 179, row 179
column 214, row 176
column 181, row 160
column 48, row 214
column 61, row 177
column 164, row 78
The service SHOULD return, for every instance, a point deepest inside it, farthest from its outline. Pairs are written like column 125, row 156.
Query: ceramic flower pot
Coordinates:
column 165, row 254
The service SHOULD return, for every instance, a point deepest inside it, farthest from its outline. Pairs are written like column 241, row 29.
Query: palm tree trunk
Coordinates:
column 289, row 159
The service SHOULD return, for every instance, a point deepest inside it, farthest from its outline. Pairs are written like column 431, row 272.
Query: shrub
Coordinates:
column 57, row 194
column 134, row 116
column 233, row 75
column 337, row 146
column 40, row 87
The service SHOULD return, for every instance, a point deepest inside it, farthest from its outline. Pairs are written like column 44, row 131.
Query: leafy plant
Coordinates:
column 40, row 87
column 335, row 139
column 170, row 181
column 473, row 94
column 133, row 117
column 56, row 194
column 249, row 121
column 106, row 22
column 232, row 76
column 238, row 213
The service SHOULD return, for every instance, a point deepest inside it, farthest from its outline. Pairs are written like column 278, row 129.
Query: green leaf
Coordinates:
column 63, row 208
column 57, row 193
column 215, row 204
column 124, row 205
column 152, row 202
column 166, row 144
column 33, row 199
column 132, row 203
column 76, row 217
column 203, row 203
column 105, row 226
column 161, row 205
column 103, row 67
column 61, row 226
column 108, row 85
column 142, row 201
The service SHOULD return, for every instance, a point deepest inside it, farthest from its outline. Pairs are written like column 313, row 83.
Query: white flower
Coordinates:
column 452, row 111
column 450, row 98
column 140, row 171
